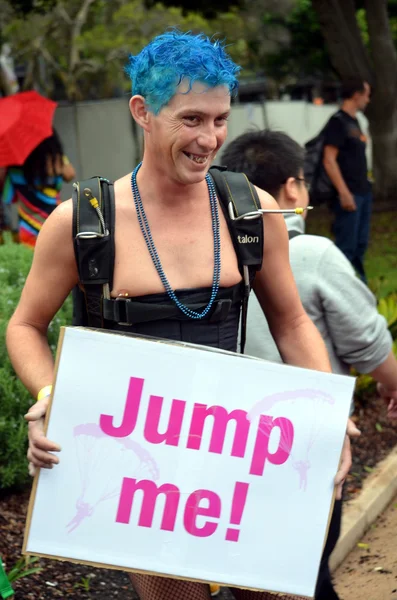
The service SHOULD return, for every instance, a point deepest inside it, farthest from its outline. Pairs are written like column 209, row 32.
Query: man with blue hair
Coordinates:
column 172, row 247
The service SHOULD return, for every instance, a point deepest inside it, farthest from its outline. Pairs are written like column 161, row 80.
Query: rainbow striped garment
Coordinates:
column 35, row 203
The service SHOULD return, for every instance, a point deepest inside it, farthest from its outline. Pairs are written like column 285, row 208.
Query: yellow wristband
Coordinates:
column 44, row 392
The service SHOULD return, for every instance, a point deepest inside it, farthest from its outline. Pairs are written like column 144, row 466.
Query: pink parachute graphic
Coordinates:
column 316, row 417
column 102, row 462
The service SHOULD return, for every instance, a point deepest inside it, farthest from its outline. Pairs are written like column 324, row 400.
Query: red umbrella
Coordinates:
column 25, row 121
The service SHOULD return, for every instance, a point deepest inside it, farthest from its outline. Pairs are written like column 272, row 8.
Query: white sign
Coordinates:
column 182, row 461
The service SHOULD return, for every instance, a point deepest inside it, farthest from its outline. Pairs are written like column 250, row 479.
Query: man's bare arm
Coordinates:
column 334, row 173
column 53, row 274
column 297, row 338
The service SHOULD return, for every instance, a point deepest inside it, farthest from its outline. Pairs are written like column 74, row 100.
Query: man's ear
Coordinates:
column 290, row 190
column 140, row 112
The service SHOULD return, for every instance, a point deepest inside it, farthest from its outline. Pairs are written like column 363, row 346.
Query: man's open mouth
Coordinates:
column 201, row 160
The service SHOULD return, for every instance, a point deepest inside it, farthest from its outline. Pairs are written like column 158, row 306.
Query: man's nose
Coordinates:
column 207, row 139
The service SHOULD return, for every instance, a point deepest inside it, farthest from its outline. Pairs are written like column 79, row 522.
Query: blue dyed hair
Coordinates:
column 160, row 67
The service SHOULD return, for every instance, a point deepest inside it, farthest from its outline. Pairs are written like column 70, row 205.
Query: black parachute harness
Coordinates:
column 94, row 246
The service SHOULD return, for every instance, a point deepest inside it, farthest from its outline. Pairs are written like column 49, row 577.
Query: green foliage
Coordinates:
column 83, row 53
column 387, row 307
column 305, row 55
column 15, row 261
column 23, row 568
column 84, row 583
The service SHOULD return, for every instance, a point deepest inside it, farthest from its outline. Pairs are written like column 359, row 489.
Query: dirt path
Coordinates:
column 370, row 570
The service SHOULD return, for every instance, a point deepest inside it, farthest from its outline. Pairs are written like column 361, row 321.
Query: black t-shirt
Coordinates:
column 344, row 132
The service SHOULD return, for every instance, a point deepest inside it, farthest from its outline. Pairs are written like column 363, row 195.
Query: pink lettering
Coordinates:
column 238, row 504
column 261, row 450
column 221, row 418
column 150, row 494
column 194, row 510
column 130, row 412
column 173, row 430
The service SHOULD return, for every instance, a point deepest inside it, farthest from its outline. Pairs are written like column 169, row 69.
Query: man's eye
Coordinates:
column 191, row 118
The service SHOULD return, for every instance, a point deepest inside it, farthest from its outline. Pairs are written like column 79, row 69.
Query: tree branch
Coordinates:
column 384, row 54
column 341, row 32
column 79, row 21
column 40, row 48
column 61, row 10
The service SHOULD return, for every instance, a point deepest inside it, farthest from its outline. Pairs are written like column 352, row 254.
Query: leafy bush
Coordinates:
column 15, row 400
column 387, row 307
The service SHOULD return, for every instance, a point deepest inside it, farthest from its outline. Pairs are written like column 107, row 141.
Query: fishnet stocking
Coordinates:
column 150, row 587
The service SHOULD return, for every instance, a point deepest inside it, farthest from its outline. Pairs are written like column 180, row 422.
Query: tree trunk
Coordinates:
column 379, row 67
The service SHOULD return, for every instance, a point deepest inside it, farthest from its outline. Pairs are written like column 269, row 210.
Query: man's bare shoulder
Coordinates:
column 62, row 216
column 267, row 201
column 58, row 226
column 122, row 188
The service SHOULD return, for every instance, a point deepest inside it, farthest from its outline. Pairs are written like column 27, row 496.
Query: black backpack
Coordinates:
column 322, row 190
column 93, row 236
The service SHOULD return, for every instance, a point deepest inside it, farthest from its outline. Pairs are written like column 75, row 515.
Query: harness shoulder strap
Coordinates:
column 238, row 197
column 93, row 238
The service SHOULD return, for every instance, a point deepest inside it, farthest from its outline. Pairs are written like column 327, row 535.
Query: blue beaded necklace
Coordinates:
column 144, row 225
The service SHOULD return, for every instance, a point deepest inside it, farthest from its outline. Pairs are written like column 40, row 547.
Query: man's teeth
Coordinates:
column 197, row 159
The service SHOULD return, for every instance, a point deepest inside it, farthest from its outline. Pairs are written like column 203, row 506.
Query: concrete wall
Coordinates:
column 99, row 139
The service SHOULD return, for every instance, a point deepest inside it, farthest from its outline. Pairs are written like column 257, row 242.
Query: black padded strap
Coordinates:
column 237, row 195
column 247, row 235
column 131, row 311
column 94, row 243
column 94, row 249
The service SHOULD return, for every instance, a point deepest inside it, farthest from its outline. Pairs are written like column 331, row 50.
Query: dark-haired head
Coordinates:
column 44, row 160
column 268, row 158
column 356, row 92
column 352, row 86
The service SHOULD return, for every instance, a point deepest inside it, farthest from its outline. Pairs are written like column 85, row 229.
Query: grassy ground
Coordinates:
column 381, row 258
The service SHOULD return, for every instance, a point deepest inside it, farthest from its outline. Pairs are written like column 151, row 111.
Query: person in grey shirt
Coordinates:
column 340, row 305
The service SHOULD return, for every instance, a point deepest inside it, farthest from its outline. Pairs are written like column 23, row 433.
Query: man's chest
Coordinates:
column 355, row 138
column 183, row 245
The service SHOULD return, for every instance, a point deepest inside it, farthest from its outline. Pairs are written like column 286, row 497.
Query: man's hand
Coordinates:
column 346, row 459
column 390, row 396
column 347, row 201
column 392, row 410
column 40, row 448
column 344, row 467
column 352, row 430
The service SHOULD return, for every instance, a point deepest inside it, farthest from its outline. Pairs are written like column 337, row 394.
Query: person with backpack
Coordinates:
column 345, row 162
column 157, row 254
column 340, row 305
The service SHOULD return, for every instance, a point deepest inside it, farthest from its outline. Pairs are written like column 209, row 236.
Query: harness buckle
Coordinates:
column 121, row 311
column 88, row 235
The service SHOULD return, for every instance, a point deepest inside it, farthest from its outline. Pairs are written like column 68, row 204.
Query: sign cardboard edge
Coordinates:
column 32, row 498
column 153, row 573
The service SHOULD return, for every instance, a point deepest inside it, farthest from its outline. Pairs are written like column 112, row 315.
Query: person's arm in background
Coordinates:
column 68, row 170
column 44, row 292
column 335, row 135
column 385, row 390
column 298, row 340
column 358, row 332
